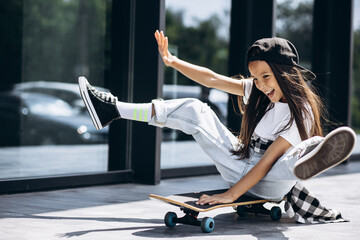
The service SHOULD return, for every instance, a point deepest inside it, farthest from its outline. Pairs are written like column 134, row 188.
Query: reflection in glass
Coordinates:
column 355, row 99
column 47, row 106
column 46, row 129
column 199, row 37
column 294, row 21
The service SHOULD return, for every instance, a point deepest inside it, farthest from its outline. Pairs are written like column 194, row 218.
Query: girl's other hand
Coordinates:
column 214, row 199
column 162, row 42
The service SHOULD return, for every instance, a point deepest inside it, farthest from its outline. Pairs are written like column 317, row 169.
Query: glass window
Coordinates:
column 294, row 22
column 202, row 38
column 61, row 40
column 355, row 100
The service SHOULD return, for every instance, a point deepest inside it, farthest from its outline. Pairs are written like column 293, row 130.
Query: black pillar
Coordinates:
column 148, row 81
column 136, row 76
column 11, row 37
column 11, row 26
column 332, row 56
column 250, row 21
column 120, row 32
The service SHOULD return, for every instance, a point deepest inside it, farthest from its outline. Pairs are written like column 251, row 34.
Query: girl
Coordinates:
column 280, row 140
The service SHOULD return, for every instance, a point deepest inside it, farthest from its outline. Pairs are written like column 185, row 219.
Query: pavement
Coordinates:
column 124, row 211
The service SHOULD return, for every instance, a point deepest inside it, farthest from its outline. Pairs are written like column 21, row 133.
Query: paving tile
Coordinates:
column 125, row 212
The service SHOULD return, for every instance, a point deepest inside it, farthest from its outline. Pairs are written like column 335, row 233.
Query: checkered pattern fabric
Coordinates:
column 259, row 145
column 304, row 207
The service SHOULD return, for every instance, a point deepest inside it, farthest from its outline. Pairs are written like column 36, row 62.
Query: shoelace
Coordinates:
column 105, row 96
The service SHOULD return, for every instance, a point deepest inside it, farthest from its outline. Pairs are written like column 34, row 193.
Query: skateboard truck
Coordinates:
column 207, row 224
column 274, row 213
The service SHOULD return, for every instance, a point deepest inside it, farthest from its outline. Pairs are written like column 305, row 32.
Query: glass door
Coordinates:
column 202, row 38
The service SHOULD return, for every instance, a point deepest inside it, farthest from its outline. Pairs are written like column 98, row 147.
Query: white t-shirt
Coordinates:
column 274, row 120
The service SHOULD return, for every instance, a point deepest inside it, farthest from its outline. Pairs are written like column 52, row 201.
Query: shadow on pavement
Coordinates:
column 260, row 227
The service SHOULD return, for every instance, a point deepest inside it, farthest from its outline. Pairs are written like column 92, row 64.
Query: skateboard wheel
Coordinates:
column 170, row 219
column 207, row 224
column 241, row 211
column 275, row 213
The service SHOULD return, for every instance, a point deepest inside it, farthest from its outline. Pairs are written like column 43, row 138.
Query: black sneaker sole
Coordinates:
column 335, row 148
column 86, row 98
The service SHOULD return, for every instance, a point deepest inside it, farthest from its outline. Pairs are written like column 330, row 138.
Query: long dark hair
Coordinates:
column 299, row 95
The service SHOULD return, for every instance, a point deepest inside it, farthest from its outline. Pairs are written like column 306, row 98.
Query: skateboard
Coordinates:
column 187, row 203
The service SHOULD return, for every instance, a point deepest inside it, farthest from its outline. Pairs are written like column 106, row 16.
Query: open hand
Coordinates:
column 214, row 199
column 163, row 44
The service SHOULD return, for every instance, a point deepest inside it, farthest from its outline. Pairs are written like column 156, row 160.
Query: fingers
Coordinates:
column 202, row 199
column 158, row 40
column 166, row 44
column 162, row 42
column 206, row 199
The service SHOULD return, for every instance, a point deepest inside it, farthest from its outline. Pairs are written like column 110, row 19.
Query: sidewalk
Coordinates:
column 125, row 212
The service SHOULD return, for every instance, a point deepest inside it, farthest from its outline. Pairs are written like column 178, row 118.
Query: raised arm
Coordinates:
column 201, row 75
column 272, row 154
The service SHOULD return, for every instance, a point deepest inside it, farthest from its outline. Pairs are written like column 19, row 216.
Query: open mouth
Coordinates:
column 270, row 93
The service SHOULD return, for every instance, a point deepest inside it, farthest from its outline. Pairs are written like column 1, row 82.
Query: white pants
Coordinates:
column 194, row 117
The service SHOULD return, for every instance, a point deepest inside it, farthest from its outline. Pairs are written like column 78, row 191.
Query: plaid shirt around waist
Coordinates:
column 259, row 145
column 302, row 206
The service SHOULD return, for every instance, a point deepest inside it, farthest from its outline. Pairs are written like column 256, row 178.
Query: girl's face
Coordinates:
column 265, row 80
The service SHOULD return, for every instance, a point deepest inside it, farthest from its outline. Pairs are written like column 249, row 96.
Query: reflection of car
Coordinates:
column 216, row 99
column 68, row 92
column 44, row 119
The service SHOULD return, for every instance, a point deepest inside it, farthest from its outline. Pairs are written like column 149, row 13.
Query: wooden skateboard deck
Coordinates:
column 187, row 203
column 188, row 200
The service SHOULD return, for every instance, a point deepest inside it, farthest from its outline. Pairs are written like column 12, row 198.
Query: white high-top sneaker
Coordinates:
column 335, row 148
